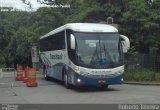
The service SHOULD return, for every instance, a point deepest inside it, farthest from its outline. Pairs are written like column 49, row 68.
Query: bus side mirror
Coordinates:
column 125, row 43
column 73, row 41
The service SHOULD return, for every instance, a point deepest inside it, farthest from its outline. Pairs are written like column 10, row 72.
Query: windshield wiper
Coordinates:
column 107, row 54
column 95, row 56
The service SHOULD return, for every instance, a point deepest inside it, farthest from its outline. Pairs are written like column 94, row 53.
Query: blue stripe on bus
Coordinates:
column 94, row 81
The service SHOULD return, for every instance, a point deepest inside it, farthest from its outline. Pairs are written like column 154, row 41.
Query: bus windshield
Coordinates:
column 98, row 50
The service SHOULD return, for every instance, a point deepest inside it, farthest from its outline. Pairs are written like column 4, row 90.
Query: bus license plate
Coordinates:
column 102, row 81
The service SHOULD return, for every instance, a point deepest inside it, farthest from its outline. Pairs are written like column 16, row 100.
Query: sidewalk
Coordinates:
column 142, row 83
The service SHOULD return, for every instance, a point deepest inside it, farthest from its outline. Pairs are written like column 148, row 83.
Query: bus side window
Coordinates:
column 60, row 40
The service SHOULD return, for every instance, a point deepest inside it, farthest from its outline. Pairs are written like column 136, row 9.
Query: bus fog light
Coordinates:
column 122, row 80
column 78, row 80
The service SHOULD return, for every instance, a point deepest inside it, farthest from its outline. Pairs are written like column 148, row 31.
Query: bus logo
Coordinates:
column 56, row 56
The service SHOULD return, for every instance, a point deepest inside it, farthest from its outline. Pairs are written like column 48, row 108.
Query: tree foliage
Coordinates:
column 138, row 19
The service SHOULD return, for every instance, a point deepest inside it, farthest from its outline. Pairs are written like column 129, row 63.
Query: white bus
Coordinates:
column 84, row 54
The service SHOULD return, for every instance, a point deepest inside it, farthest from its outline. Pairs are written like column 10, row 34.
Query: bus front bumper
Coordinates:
column 81, row 80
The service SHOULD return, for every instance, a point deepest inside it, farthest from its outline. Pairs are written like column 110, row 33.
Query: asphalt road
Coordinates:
column 53, row 92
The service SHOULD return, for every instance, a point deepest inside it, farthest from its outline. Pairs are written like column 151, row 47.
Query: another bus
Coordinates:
column 84, row 54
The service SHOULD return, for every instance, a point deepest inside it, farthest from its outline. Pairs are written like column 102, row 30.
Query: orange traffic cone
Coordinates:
column 26, row 74
column 19, row 76
column 32, row 82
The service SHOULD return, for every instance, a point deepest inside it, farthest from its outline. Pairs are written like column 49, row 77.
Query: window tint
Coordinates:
column 53, row 42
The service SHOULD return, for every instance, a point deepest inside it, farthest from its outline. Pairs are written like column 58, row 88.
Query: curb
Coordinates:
column 142, row 83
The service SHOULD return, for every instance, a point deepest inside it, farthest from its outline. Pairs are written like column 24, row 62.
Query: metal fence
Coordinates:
column 145, row 67
column 7, row 77
column 143, row 62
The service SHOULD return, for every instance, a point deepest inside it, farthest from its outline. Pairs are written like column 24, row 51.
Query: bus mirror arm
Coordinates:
column 72, row 41
column 125, row 43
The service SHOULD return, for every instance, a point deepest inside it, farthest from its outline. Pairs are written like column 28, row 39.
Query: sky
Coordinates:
column 18, row 4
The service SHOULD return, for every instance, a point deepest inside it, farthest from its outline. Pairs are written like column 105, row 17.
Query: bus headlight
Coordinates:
column 76, row 70
column 78, row 80
column 122, row 80
column 119, row 72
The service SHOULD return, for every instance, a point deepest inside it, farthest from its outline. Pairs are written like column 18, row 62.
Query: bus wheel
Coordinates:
column 45, row 74
column 105, row 86
column 68, row 86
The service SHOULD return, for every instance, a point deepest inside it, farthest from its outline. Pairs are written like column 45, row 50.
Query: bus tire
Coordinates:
column 45, row 74
column 105, row 86
column 65, row 79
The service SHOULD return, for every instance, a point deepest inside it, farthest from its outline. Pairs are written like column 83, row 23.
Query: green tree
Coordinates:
column 141, row 23
column 6, row 30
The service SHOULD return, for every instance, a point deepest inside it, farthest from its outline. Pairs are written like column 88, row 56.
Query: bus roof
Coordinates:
column 83, row 27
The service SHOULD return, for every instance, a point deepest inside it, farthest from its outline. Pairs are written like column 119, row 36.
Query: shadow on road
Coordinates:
column 94, row 89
